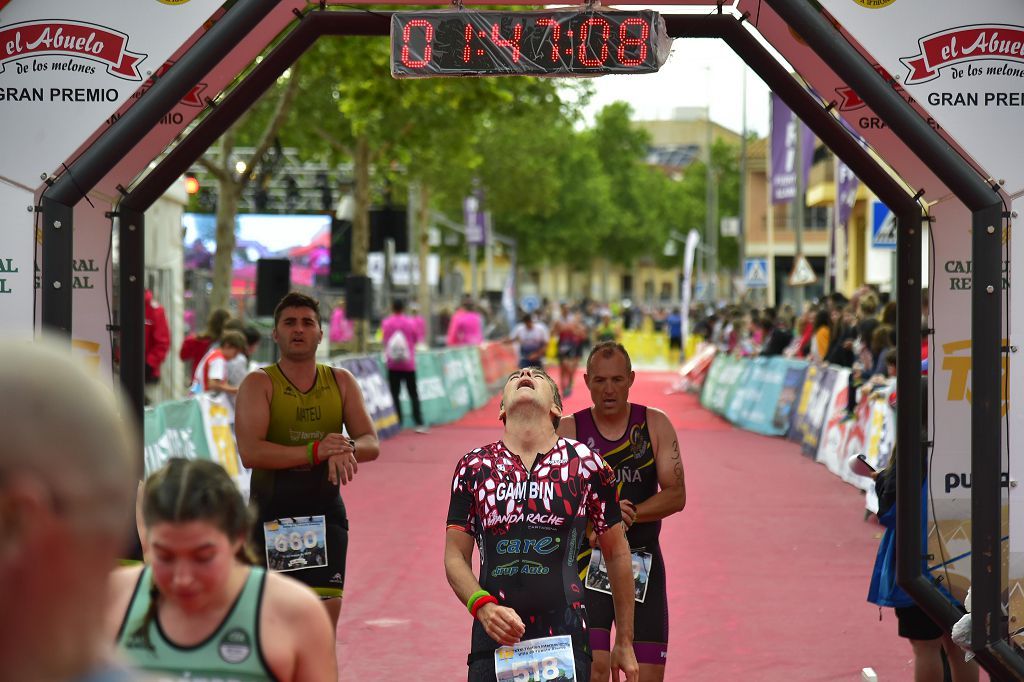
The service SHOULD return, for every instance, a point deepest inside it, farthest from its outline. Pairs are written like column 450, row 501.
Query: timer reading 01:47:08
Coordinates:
column 534, row 43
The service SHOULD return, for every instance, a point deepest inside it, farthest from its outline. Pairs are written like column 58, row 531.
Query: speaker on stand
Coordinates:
column 273, row 282
column 358, row 297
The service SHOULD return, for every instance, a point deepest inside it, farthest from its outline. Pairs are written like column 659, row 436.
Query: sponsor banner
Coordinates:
column 456, row 382
column 872, row 432
column 475, row 376
column 847, row 185
column 434, row 403
column 722, row 378
column 949, row 400
column 798, row 415
column 376, row 393
column 963, row 63
column 818, row 409
column 858, row 117
column 740, row 396
column 836, row 424
column 789, row 395
column 65, row 68
column 785, row 127
column 769, row 378
column 17, row 262
column 196, row 428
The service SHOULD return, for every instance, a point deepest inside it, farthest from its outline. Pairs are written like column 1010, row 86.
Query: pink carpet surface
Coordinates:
column 768, row 565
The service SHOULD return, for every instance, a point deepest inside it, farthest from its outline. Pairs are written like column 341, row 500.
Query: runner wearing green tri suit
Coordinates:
column 288, row 421
column 198, row 610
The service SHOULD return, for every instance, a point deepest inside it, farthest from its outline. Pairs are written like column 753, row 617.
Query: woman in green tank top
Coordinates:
column 199, row 609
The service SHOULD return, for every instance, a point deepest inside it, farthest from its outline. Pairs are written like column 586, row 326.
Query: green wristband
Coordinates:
column 473, row 597
column 309, row 452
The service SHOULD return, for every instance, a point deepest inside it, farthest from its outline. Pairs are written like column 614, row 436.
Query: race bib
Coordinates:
column 534, row 660
column 597, row 573
column 296, row 543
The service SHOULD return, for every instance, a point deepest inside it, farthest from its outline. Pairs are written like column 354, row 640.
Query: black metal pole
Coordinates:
column 131, row 304
column 986, row 431
column 85, row 172
column 55, row 268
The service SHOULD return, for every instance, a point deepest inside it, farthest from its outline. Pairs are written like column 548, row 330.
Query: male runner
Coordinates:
column 526, row 500
column 288, row 421
column 640, row 444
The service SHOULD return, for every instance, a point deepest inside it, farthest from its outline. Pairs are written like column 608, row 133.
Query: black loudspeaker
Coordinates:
column 273, row 282
column 341, row 253
column 358, row 297
column 389, row 223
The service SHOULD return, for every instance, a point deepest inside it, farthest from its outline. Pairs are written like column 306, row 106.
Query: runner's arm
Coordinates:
column 291, row 611
column 357, row 419
column 252, row 419
column 672, row 496
column 619, row 560
column 501, row 623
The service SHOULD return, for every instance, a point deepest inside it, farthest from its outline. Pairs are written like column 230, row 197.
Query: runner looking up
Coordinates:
column 640, row 444
column 288, row 421
column 526, row 500
column 199, row 610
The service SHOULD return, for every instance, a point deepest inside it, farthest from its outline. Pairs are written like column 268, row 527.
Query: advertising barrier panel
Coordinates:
column 376, row 393
column 199, row 427
column 434, row 403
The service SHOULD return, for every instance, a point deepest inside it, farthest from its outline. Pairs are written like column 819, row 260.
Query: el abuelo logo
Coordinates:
column 874, row 4
column 1000, row 42
column 69, row 38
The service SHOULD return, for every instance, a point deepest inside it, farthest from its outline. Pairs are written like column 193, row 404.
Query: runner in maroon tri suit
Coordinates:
column 642, row 448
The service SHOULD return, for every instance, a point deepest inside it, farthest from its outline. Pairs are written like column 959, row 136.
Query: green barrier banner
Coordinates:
column 196, row 428
column 456, row 382
column 475, row 376
column 718, row 395
column 434, row 401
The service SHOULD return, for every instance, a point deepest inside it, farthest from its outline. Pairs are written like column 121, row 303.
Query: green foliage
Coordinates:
column 567, row 194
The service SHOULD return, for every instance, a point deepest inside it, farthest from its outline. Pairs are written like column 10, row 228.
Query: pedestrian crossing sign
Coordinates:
column 803, row 273
column 755, row 273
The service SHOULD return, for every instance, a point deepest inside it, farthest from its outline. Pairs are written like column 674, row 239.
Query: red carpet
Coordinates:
column 768, row 564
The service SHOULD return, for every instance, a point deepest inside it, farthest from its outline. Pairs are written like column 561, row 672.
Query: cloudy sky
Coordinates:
column 697, row 73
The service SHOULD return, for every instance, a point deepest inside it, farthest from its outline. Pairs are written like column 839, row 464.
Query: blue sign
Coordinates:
column 755, row 273
column 529, row 303
column 883, row 227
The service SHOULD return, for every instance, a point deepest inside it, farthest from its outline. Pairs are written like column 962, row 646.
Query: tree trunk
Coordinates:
column 423, row 250
column 228, row 195
column 361, row 228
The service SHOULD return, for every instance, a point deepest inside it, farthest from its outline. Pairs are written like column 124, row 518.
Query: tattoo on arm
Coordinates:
column 678, row 466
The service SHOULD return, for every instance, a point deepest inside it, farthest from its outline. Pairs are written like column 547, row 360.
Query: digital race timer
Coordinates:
column 534, row 43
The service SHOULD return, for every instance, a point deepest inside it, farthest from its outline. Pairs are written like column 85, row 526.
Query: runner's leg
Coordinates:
column 414, row 397
column 333, row 607
column 395, row 384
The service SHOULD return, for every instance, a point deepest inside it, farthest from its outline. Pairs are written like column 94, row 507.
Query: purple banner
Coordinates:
column 846, row 192
column 376, row 394
column 475, row 220
column 785, row 127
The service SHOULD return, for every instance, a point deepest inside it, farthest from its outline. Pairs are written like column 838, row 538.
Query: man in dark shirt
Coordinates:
column 525, row 501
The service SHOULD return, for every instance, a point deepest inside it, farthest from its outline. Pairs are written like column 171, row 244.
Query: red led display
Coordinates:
column 458, row 42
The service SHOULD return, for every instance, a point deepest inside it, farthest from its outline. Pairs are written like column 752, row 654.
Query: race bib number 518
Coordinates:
column 535, row 660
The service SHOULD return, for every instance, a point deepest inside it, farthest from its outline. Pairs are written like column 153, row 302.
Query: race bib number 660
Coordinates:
column 295, row 544
column 536, row 660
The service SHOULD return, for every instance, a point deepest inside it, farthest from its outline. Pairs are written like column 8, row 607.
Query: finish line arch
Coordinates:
column 935, row 153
